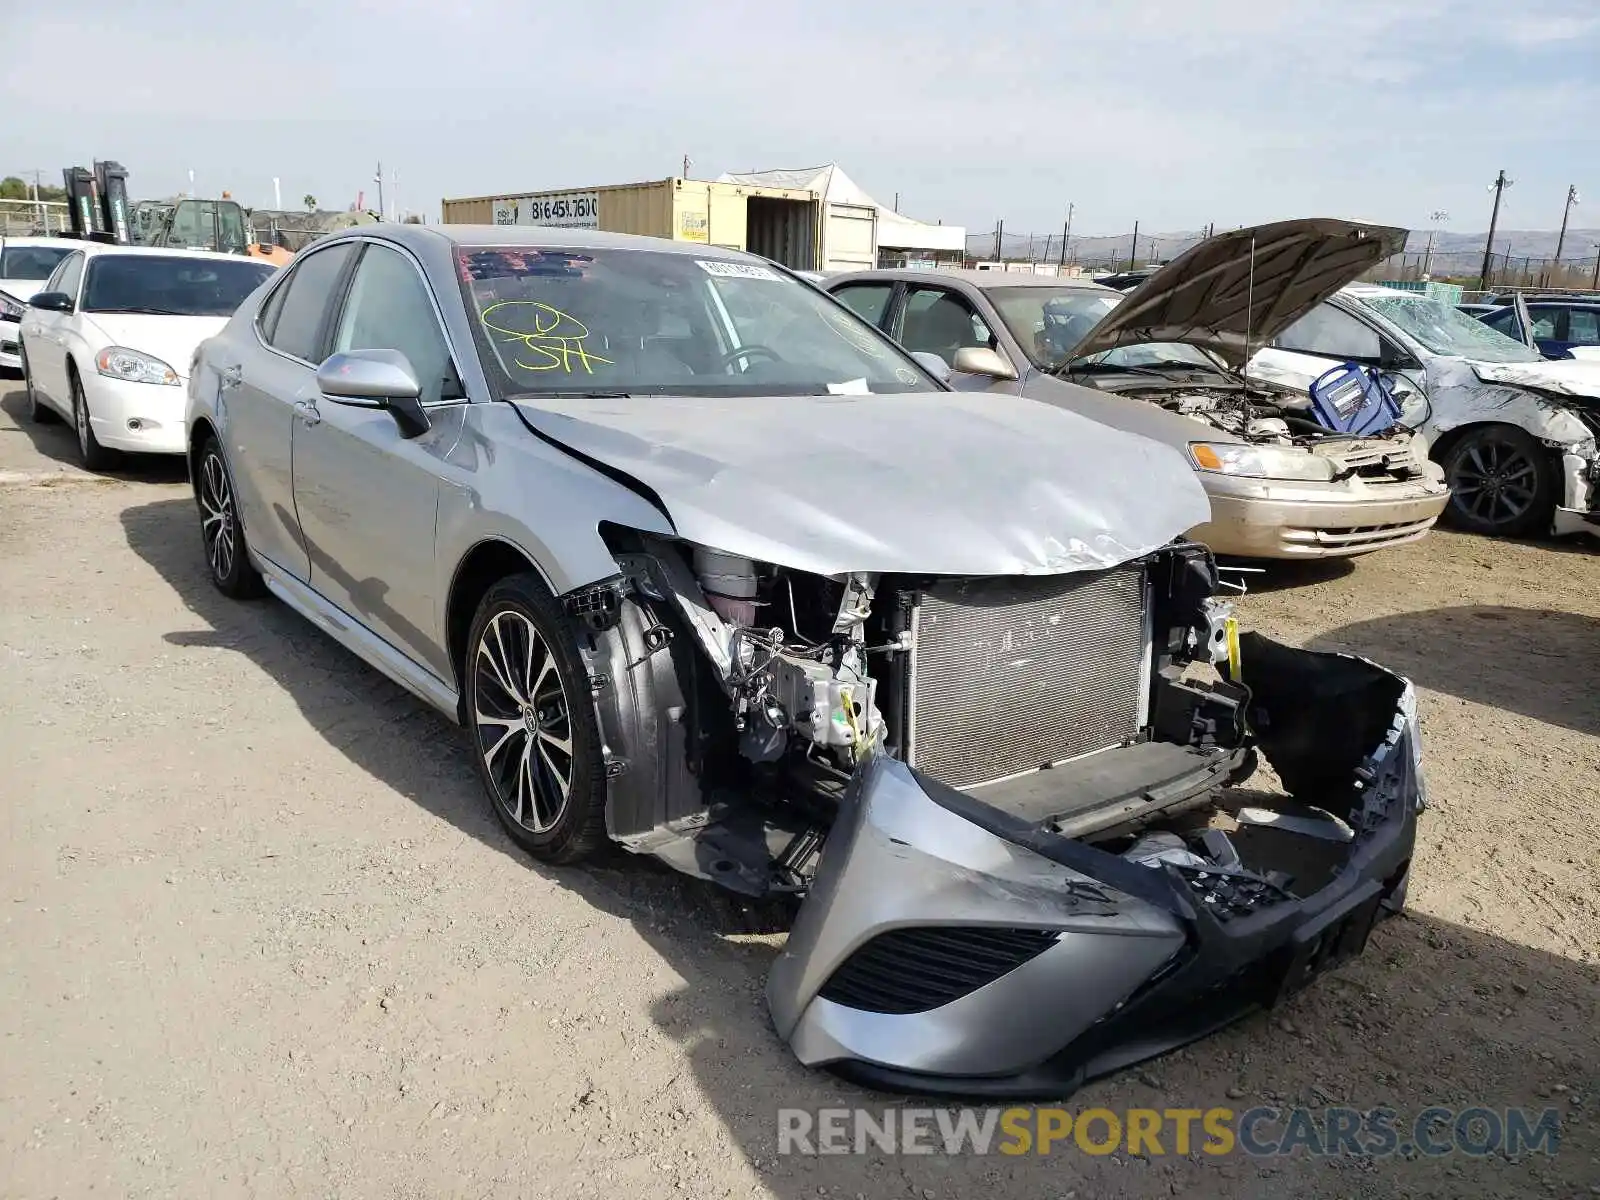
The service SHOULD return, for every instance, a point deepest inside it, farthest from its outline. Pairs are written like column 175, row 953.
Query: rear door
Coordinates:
column 274, row 371
column 367, row 496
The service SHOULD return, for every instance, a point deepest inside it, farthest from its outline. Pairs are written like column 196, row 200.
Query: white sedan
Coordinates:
column 108, row 341
column 25, row 264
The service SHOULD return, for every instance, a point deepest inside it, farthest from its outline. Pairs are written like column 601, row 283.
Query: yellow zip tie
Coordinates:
column 1231, row 624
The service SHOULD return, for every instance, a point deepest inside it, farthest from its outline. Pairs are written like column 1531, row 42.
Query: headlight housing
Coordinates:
column 11, row 308
column 1261, row 462
column 118, row 362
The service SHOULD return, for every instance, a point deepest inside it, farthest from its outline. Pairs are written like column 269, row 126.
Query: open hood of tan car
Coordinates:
column 1244, row 288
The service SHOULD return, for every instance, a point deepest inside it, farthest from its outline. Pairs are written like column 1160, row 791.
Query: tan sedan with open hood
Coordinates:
column 1166, row 361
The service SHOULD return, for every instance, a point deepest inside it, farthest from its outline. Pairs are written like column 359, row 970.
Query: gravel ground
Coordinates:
column 263, row 938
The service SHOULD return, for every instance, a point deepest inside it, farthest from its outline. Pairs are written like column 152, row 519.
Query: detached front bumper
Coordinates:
column 949, row 947
column 1259, row 518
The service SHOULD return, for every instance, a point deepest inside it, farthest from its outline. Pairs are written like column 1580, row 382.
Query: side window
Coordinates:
column 267, row 317
column 1583, row 326
column 298, row 319
column 1505, row 321
column 869, row 301
column 941, row 323
column 1546, row 323
column 1327, row 331
column 67, row 276
column 389, row 308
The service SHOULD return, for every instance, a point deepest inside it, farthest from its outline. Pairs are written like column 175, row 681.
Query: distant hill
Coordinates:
column 1452, row 252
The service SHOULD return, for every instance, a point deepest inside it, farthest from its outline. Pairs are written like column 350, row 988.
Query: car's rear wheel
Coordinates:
column 534, row 736
column 1502, row 482
column 221, row 534
column 38, row 412
column 91, row 453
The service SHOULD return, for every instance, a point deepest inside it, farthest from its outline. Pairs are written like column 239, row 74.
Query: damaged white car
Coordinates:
column 710, row 569
column 1516, row 434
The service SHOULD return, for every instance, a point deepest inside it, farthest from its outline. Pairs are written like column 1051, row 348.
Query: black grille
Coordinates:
column 914, row 970
column 1012, row 674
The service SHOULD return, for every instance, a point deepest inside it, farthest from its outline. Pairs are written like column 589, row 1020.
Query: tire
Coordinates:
column 221, row 533
column 91, row 453
column 1502, row 482
column 523, row 735
column 39, row 413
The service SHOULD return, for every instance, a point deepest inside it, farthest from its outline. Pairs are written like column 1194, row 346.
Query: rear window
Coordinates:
column 31, row 262
column 174, row 287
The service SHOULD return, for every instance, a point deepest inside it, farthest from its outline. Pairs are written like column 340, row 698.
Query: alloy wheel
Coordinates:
column 1495, row 482
column 523, row 721
column 216, row 516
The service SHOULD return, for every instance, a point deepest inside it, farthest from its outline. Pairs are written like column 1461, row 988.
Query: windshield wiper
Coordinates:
column 141, row 309
column 572, row 395
column 1076, row 367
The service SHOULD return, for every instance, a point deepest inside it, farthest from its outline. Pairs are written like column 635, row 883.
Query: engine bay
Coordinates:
column 751, row 695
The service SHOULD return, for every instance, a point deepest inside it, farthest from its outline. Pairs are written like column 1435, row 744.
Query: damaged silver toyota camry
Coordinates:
column 709, row 568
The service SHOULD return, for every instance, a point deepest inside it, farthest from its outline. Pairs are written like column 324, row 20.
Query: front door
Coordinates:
column 367, row 496
column 261, row 387
column 936, row 320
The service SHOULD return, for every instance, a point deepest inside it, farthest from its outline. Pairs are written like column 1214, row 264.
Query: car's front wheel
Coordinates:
column 91, row 453
column 221, row 533
column 1502, row 482
column 534, row 736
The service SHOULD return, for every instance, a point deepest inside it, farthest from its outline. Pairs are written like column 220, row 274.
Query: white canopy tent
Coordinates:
column 895, row 232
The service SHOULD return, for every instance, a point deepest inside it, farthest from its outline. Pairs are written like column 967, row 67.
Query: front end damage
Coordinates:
column 1011, row 805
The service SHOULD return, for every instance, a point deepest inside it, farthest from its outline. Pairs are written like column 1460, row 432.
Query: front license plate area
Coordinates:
column 1328, row 939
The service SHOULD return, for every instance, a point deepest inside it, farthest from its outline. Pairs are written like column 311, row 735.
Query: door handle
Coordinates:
column 231, row 377
column 306, row 410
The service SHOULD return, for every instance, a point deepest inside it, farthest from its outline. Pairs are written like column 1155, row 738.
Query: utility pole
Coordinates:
column 1594, row 284
column 1066, row 233
column 1427, row 258
column 378, row 178
column 686, row 166
column 999, row 239
column 1561, row 239
column 897, row 202
column 1501, row 183
column 1133, row 250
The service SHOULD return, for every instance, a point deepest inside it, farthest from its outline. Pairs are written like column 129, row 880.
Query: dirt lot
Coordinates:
column 263, row 937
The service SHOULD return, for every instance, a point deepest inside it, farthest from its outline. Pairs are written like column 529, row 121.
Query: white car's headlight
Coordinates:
column 118, row 362
column 1261, row 462
column 11, row 308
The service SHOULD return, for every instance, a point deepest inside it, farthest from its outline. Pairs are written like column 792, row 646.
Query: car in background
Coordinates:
column 25, row 264
column 710, row 570
column 1554, row 325
column 1516, row 434
column 107, row 341
column 1126, row 281
column 1166, row 363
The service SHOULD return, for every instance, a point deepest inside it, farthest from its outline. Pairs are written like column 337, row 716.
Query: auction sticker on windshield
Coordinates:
column 733, row 270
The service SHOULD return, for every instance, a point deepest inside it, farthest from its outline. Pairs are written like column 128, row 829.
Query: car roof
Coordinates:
column 535, row 237
column 983, row 280
column 100, row 249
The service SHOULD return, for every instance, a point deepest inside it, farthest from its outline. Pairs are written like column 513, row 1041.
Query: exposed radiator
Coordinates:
column 1008, row 675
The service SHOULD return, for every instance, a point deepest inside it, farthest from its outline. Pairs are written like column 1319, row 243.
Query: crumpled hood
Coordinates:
column 1209, row 296
column 1564, row 377
column 945, row 483
column 171, row 339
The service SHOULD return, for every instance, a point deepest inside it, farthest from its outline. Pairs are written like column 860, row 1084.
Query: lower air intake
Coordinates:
column 914, row 970
column 1012, row 674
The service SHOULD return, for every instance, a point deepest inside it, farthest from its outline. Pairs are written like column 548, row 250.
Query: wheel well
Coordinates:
column 1445, row 442
column 198, row 433
column 486, row 564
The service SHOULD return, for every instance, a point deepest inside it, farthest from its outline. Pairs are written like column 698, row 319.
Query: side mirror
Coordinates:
column 376, row 379
column 980, row 360
column 52, row 302
column 1392, row 358
column 932, row 364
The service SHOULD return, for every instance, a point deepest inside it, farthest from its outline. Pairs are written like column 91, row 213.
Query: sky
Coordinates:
column 1174, row 114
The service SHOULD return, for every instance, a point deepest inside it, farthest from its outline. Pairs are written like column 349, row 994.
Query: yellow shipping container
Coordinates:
column 784, row 224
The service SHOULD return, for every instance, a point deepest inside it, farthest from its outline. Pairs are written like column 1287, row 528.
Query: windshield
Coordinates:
column 1445, row 330
column 31, row 262
column 1048, row 322
column 629, row 321
column 175, row 287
